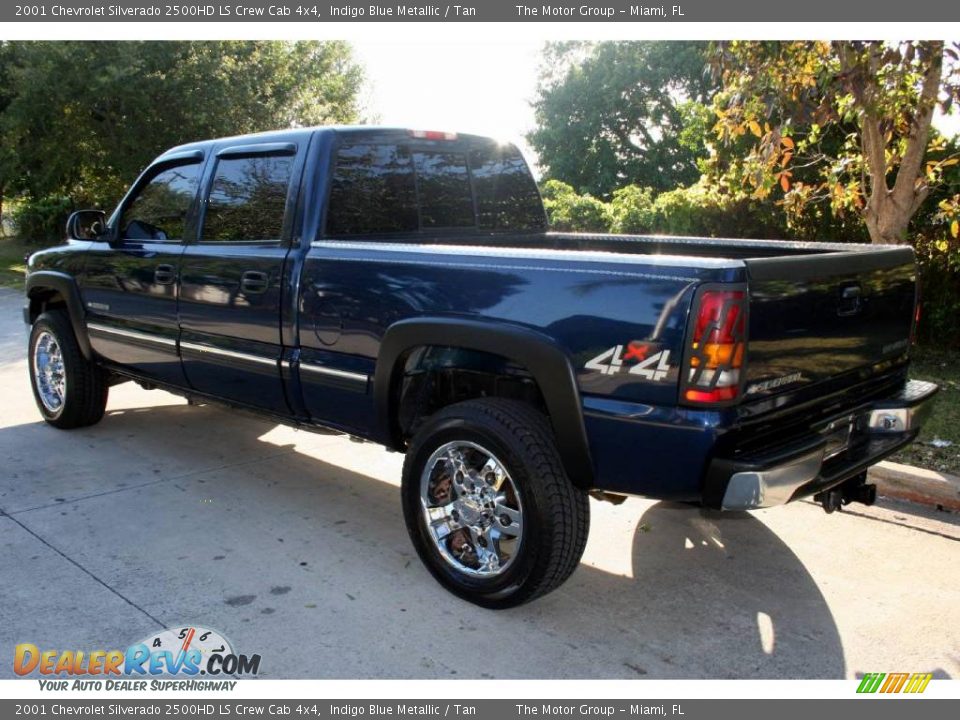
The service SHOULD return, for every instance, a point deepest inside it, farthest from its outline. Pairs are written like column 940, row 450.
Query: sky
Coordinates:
column 483, row 88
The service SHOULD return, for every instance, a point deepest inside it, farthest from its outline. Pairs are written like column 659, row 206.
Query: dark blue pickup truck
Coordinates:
column 401, row 287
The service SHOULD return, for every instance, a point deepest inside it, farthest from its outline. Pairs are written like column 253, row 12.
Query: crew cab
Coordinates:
column 402, row 287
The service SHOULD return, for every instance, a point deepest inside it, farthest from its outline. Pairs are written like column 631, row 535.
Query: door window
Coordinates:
column 159, row 210
column 248, row 198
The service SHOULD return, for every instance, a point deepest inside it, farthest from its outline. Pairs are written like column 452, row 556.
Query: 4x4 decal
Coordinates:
column 653, row 367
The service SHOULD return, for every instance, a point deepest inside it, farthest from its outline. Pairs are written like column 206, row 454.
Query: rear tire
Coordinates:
column 70, row 391
column 488, row 505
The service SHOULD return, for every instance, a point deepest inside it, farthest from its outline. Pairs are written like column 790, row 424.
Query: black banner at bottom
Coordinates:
column 876, row 708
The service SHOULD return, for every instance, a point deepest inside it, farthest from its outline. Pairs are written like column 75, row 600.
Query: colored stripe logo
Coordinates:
column 894, row 682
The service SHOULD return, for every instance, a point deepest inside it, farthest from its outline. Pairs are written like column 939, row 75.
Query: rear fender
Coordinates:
column 541, row 356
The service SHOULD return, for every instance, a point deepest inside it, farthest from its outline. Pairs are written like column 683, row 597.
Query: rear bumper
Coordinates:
column 844, row 448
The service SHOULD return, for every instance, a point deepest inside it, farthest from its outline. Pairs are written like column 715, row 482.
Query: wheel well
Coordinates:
column 436, row 376
column 43, row 299
column 535, row 362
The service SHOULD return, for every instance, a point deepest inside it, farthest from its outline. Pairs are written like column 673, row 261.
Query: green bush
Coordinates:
column 684, row 212
column 702, row 210
column 41, row 220
column 694, row 210
column 939, row 268
column 571, row 212
column 632, row 210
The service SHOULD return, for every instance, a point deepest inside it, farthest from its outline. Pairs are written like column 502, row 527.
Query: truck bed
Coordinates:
column 817, row 309
column 690, row 246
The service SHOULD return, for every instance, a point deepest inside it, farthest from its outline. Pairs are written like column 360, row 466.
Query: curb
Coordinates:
column 926, row 487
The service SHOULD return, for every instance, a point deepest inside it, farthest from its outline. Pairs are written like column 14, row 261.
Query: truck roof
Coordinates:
column 372, row 132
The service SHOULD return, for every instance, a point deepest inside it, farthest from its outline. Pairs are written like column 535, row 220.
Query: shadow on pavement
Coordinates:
column 729, row 588
column 707, row 597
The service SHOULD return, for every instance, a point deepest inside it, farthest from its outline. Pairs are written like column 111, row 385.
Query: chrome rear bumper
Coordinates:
column 881, row 429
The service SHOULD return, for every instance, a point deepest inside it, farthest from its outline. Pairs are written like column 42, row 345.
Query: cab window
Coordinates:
column 159, row 210
column 446, row 200
column 507, row 196
column 248, row 199
column 373, row 191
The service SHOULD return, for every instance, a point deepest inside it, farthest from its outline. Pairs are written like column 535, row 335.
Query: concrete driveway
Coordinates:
column 293, row 546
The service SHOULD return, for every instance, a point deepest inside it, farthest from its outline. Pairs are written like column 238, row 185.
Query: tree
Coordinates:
column 6, row 95
column 84, row 118
column 611, row 114
column 847, row 123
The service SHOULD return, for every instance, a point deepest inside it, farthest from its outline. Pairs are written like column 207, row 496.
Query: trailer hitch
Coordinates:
column 856, row 489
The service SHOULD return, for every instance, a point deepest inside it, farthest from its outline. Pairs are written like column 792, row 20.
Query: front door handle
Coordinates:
column 165, row 275
column 254, row 282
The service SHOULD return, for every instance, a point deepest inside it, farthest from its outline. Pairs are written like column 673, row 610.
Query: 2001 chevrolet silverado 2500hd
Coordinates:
column 401, row 287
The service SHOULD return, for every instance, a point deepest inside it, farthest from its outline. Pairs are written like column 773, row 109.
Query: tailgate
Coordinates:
column 816, row 317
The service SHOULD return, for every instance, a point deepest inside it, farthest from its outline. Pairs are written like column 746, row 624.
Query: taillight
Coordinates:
column 433, row 135
column 717, row 347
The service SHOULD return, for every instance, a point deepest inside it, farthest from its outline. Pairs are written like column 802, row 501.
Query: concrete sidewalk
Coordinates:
column 293, row 546
column 917, row 485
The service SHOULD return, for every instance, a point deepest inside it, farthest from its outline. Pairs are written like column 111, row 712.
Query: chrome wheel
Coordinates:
column 48, row 371
column 471, row 508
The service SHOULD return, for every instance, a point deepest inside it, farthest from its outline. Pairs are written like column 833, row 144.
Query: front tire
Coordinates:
column 488, row 505
column 70, row 391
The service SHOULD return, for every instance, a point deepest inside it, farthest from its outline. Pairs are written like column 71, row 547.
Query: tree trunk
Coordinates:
column 888, row 211
column 886, row 221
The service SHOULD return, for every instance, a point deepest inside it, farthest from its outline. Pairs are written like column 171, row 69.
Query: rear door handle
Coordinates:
column 165, row 275
column 254, row 282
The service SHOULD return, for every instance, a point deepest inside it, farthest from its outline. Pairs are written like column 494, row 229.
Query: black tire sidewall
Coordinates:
column 493, row 591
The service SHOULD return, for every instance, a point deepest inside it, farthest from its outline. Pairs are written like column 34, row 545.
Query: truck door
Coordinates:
column 233, row 278
column 130, row 285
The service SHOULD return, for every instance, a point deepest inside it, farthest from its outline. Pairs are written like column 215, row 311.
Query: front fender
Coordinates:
column 540, row 355
column 47, row 282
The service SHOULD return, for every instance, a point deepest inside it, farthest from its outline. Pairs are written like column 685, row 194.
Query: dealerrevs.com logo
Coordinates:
column 185, row 652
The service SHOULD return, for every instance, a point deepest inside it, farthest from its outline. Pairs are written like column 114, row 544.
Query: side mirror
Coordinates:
column 87, row 225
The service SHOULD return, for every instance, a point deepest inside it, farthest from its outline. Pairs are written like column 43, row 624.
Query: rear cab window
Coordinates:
column 373, row 191
column 507, row 196
column 406, row 187
column 443, row 184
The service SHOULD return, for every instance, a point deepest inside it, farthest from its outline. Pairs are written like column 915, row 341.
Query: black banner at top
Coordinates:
column 618, row 11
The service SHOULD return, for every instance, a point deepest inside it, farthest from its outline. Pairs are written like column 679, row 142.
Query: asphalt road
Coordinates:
column 293, row 546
